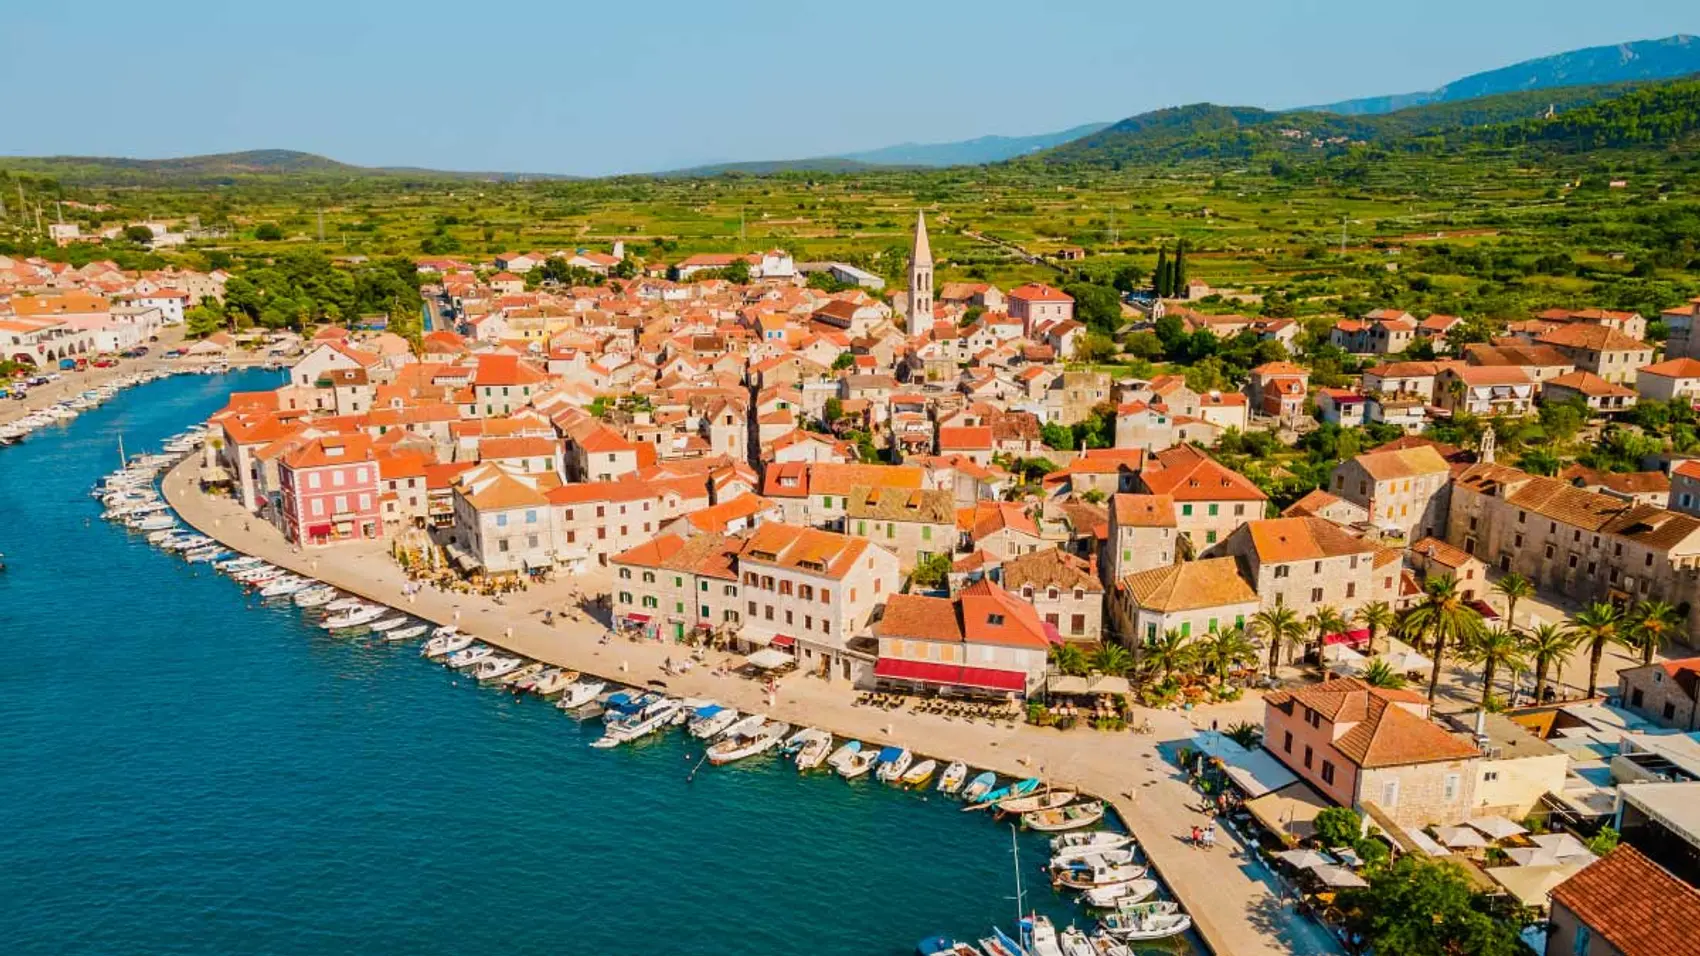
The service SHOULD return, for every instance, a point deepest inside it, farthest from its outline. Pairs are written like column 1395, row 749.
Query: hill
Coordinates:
column 823, row 164
column 223, row 168
column 970, row 152
column 1670, row 57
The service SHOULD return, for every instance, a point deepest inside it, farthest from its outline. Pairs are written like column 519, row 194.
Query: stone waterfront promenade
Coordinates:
column 1235, row 910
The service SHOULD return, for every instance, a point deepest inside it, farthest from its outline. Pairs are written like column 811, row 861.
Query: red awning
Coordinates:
column 928, row 672
column 1051, row 633
column 783, row 640
column 315, row 530
column 1350, row 638
column 638, row 618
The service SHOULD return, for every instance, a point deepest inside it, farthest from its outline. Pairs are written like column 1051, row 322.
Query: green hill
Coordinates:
column 223, row 168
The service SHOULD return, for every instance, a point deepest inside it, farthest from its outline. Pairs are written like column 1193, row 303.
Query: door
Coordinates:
column 678, row 630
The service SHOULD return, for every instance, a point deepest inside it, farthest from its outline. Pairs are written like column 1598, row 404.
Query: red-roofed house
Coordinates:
column 1666, row 692
column 1036, row 304
column 1673, row 380
column 984, row 641
column 330, row 489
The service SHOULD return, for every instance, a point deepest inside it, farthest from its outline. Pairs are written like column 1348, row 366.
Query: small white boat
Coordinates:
column 345, row 604
column 348, row 620
column 893, row 761
column 1070, row 858
column 446, row 640
column 843, row 754
column 1116, row 894
column 469, row 656
column 155, row 522
column 979, row 787
column 551, row 682
column 580, row 693
column 1086, row 876
column 918, row 775
column 389, row 623
column 234, row 564
column 953, row 777
column 857, row 764
column 283, row 587
column 1073, row 817
column 738, row 747
column 1074, row 942
column 1090, row 842
column 314, row 598
column 1038, row 801
column 1138, row 927
column 1043, row 938
column 708, row 722
column 494, row 668
column 1103, row 944
column 405, row 633
column 744, row 726
column 812, row 748
column 636, row 726
column 520, row 675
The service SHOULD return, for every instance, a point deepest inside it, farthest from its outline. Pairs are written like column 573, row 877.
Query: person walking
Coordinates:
column 1210, row 836
column 1196, row 836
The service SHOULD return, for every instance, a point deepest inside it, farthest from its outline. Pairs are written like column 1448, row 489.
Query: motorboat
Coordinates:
column 519, row 675
column 1103, row 944
column 813, row 749
column 1097, row 858
column 979, row 787
column 1119, row 894
column 1072, row 817
column 359, row 617
column 284, row 587
column 235, row 564
column 1091, row 842
column 765, row 738
column 155, row 522
column 954, row 775
column 707, row 722
column 1050, row 800
column 945, row 946
column 857, row 764
column 208, row 554
column 1042, row 936
column 744, row 726
column 991, row 798
column 1084, row 875
column 527, row 682
column 843, row 754
column 466, row 657
column 919, row 774
column 551, row 681
column 314, row 598
column 445, row 640
column 622, row 704
column 1139, row 927
column 892, row 762
column 999, row 944
column 389, row 623
column 1074, row 942
column 405, row 633
column 495, row 667
column 580, row 693
column 344, row 604
column 629, row 727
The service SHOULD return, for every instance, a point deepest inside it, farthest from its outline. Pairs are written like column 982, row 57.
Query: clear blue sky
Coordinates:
column 593, row 88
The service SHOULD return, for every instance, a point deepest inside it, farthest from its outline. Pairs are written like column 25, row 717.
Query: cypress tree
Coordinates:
column 1178, row 276
column 1160, row 278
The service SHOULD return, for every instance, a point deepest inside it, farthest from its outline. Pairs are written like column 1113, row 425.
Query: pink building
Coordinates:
column 1036, row 304
column 330, row 490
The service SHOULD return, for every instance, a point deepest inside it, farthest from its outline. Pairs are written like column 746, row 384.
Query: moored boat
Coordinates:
column 521, row 674
column 1039, row 801
column 1042, row 934
column 552, row 681
column 1084, row 875
column 709, row 721
column 944, row 946
column 1074, row 942
column 919, row 774
column 1116, row 894
column 1090, row 842
column 892, row 762
column 1141, row 927
column 738, row 747
column 406, row 633
column 445, row 640
column 389, row 623
column 495, row 667
column 349, row 620
column 815, row 746
column 991, row 798
column 1057, row 819
column 954, row 775
column 469, row 656
column 628, row 727
column 857, row 764
column 981, row 785
column 580, row 694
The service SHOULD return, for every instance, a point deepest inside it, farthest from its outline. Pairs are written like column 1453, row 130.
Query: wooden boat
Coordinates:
column 999, row 944
column 1090, row 842
column 1143, row 927
column 1039, row 801
column 1095, row 858
column 858, row 763
column 1119, row 894
column 524, row 672
column 405, row 633
column 1080, row 876
column 1075, row 943
column 918, row 775
column 1043, row 936
column 1103, row 944
column 816, row 744
column 991, row 798
column 979, row 787
column 552, row 681
column 953, row 777
column 944, row 946
column 1064, row 818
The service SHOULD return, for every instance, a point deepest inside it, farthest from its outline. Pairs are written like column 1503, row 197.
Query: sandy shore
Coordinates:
column 1234, row 909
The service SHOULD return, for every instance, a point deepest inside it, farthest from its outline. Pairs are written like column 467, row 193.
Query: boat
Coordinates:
column 629, row 727
column 551, row 681
column 1042, row 936
column 155, row 522
column 580, row 693
column 1153, row 907
column 519, row 675
column 744, row 726
column 993, row 797
column 1093, row 841
column 1141, row 927
column 345, row 604
column 892, row 762
column 737, row 747
column 944, row 946
column 495, row 667
column 469, row 656
column 1074, row 942
column 1064, row 818
column 1094, row 858
column 1119, row 893
column 445, row 640
column 999, row 944
column 707, row 722
column 389, row 623
column 353, row 619
column 405, row 633
column 979, row 787
column 918, row 775
column 284, row 587
column 235, row 564
column 812, row 747
column 313, row 598
column 214, row 553
column 1103, row 944
column 843, row 753
column 1084, row 875
column 858, row 763
column 1050, row 800
column 953, row 777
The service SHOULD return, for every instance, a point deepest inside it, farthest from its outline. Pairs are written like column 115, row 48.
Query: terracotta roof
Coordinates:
column 1143, row 511
column 1050, row 567
column 1313, row 504
column 1500, row 356
column 1190, row 585
column 1188, row 474
column 804, row 549
column 1039, row 292
column 989, row 517
column 1384, row 733
column 1589, row 384
column 965, row 437
column 1637, row 906
column 1439, row 551
column 901, row 504
column 1402, row 463
column 1281, row 540
column 1595, row 338
column 1675, row 368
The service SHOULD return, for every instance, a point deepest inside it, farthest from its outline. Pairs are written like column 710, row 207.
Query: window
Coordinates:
column 1390, row 794
column 1328, row 771
column 501, row 521
column 530, row 516
column 1351, row 589
column 649, row 577
column 1308, row 755
column 1490, row 776
column 312, row 479
column 1315, row 595
column 1077, row 625
column 1186, row 510
column 1212, row 511
column 1209, row 537
column 1239, row 511
column 318, row 507
column 626, row 573
column 625, row 597
column 1670, row 711
column 1286, row 741
column 1583, row 942
column 1282, row 570
column 1449, row 788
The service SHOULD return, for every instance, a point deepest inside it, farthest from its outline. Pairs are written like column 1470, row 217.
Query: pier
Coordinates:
column 1233, row 908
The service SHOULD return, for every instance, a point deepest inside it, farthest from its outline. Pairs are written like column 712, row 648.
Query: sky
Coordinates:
column 602, row 88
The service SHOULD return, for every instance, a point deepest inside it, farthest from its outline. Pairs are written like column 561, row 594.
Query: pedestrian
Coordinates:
column 1210, row 836
column 1196, row 836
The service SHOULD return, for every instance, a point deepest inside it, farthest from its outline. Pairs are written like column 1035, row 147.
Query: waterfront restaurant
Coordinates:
column 985, row 642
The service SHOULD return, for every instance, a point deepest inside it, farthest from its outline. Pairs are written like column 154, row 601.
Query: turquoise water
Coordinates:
column 183, row 770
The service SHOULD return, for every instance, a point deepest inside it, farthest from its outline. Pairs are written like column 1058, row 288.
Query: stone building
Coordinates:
column 1665, row 692
column 913, row 524
column 1064, row 589
column 1406, row 489
column 1305, row 563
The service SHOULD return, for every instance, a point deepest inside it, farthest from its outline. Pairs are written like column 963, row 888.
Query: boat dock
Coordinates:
column 1233, row 905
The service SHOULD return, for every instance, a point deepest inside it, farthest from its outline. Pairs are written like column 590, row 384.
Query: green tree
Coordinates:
column 1068, row 659
column 1167, row 655
column 833, row 410
column 202, row 321
column 1161, row 277
column 1128, row 279
column 1338, row 826
column 1598, row 625
column 1276, row 626
column 1493, row 648
column 1245, row 733
column 1651, row 625
column 268, row 232
column 1379, row 673
column 1177, row 273
column 1377, row 617
column 1098, row 306
column 1094, row 348
column 1324, row 621
column 1548, row 646
column 1513, row 587
column 1604, row 841
column 1419, row 906
column 843, row 361
column 1445, row 618
column 1059, row 437
column 1223, row 650
column 931, row 572
column 1112, row 659
column 138, row 234
column 738, row 272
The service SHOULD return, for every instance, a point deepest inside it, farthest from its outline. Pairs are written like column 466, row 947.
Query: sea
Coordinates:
column 184, row 769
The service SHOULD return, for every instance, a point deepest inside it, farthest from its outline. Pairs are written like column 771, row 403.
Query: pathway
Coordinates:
column 1232, row 904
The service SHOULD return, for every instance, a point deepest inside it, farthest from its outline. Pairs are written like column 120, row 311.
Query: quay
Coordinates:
column 1233, row 906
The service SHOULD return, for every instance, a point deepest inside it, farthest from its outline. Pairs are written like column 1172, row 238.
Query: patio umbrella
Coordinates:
column 1497, row 827
column 1337, row 876
column 1563, row 845
column 1304, row 859
column 1460, row 838
column 1401, row 662
column 1532, row 856
column 1349, row 857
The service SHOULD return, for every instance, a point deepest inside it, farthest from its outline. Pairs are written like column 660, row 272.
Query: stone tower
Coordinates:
column 1486, row 452
column 920, row 279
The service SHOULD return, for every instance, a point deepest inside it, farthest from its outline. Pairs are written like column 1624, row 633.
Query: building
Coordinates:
column 1434, row 558
column 1064, row 589
column 1623, row 905
column 1277, row 390
column 673, row 586
column 1607, row 353
column 1358, row 744
column 1591, row 390
column 920, row 298
column 982, row 642
column 503, row 520
column 1665, row 692
column 1142, row 534
column 1672, row 380
column 1304, row 564
column 812, row 590
column 329, row 491
column 1037, row 304
column 1190, row 598
column 1407, row 490
column 1211, row 500
column 1482, row 390
column 913, row 524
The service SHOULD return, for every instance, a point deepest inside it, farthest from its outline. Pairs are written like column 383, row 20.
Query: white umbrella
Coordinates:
column 1401, row 662
column 1532, row 856
column 1337, row 876
column 1563, row 845
column 1304, row 859
column 1460, row 838
column 1497, row 827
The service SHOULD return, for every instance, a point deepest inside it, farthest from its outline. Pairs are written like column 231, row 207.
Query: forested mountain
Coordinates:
column 970, row 152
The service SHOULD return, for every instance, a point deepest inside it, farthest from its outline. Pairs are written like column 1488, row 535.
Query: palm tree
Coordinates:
column 1493, row 648
column 1277, row 625
column 1112, row 659
column 1224, row 650
column 1651, row 624
column 1548, row 646
column 1598, row 625
column 1244, row 733
column 1068, row 659
column 1378, row 617
column 1325, row 620
column 1446, row 619
column 1168, row 654
column 1378, row 673
column 1513, row 587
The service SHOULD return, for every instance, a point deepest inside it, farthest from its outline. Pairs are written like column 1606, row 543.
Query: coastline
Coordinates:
column 1233, row 912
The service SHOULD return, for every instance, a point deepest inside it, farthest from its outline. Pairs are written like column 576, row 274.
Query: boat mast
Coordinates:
column 122, row 461
column 1015, row 849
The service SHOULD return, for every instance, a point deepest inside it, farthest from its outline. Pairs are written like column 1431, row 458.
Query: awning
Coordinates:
column 1290, row 810
column 927, row 672
column 1532, row 885
column 783, row 640
column 768, row 659
column 314, row 530
column 1349, row 638
column 1051, row 633
column 637, row 618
